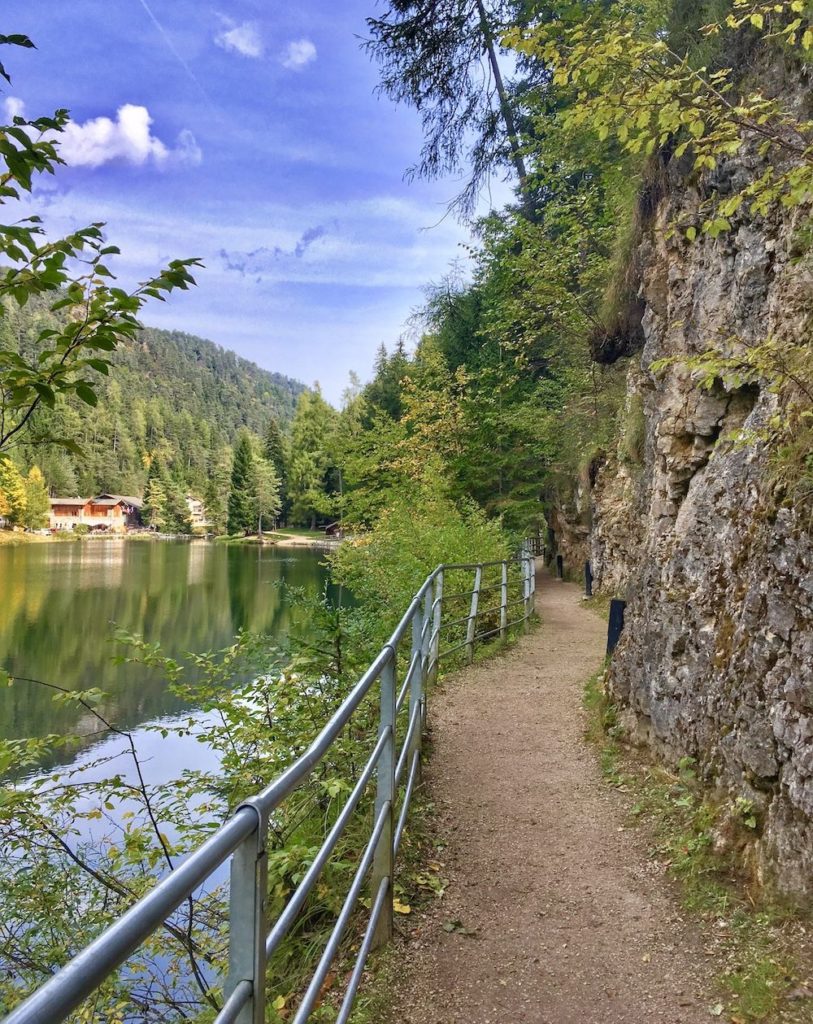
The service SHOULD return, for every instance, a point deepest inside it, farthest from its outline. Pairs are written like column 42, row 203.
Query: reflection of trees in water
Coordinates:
column 59, row 603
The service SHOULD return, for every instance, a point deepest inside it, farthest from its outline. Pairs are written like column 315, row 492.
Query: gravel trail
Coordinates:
column 573, row 922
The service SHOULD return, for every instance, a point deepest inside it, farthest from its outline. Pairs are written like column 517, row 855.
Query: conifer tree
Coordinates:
column 313, row 461
column 267, row 492
column 242, row 496
column 432, row 55
column 155, row 498
column 177, row 509
column 276, row 455
column 216, row 494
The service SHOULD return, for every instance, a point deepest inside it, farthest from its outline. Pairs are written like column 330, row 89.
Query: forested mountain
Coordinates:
column 169, row 395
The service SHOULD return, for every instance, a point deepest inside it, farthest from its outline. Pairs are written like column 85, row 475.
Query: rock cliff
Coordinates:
column 716, row 661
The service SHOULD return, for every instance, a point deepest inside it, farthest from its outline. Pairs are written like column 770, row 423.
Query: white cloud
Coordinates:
column 298, row 53
column 362, row 273
column 13, row 107
column 129, row 138
column 244, row 38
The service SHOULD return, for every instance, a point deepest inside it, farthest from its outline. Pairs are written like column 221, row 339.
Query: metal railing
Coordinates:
column 243, row 837
column 535, row 545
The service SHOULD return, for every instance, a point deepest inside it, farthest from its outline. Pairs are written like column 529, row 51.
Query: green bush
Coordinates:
column 385, row 567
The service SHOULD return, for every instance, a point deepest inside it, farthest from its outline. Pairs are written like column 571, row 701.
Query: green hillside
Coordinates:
column 169, row 394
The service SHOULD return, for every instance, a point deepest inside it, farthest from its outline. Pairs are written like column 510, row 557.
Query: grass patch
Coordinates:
column 759, row 944
column 600, row 604
column 271, row 537
column 312, row 534
column 13, row 538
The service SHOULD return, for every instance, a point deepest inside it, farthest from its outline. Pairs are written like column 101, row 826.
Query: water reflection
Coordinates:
column 58, row 604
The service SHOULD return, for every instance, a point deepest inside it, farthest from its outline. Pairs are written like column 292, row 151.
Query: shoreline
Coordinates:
column 12, row 538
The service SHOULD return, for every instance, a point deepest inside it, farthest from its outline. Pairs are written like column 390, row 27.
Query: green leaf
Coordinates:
column 17, row 40
column 68, row 445
column 86, row 394
column 44, row 392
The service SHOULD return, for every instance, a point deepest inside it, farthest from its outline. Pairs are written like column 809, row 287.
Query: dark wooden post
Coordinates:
column 560, row 568
column 588, row 580
column 616, row 623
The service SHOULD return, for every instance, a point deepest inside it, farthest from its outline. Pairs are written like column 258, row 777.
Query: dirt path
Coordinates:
column 574, row 924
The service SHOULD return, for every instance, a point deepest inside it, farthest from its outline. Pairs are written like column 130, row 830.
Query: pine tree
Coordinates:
column 432, row 55
column 267, row 492
column 12, row 493
column 276, row 455
column 177, row 510
column 216, row 493
column 37, row 505
column 312, row 468
column 155, row 498
column 274, row 449
column 242, row 496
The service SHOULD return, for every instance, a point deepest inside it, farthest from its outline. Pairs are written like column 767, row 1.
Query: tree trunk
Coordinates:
column 505, row 106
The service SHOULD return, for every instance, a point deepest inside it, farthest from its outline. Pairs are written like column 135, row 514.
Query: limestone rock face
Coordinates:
column 716, row 661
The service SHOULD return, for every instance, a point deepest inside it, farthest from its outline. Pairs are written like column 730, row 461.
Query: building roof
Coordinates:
column 108, row 500
column 114, row 499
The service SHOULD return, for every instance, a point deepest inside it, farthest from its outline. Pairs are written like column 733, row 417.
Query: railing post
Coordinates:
column 416, row 686
column 385, row 794
column 426, row 648
column 248, row 899
column 471, row 625
column 426, row 631
column 434, row 650
column 504, row 600
column 526, row 594
column 532, row 570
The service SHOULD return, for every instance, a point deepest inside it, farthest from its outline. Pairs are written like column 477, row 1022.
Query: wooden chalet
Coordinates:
column 106, row 513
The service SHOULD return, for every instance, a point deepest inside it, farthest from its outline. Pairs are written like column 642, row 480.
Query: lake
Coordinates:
column 60, row 603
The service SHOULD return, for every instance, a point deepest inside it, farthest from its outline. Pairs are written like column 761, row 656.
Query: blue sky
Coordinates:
column 248, row 134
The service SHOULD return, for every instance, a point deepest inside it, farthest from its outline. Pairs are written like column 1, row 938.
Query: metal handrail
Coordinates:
column 243, row 836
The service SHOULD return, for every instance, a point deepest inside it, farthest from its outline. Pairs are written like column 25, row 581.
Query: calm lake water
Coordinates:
column 60, row 603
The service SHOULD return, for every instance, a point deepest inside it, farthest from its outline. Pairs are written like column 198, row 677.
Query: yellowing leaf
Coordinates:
column 401, row 908
column 279, row 1003
column 757, row 20
column 807, row 39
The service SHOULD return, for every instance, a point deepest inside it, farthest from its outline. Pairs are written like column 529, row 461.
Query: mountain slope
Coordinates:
column 169, row 395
